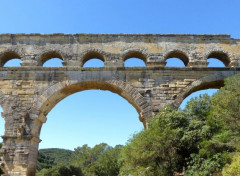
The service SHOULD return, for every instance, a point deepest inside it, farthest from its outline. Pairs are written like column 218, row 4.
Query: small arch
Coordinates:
column 94, row 63
column 53, row 62
column 13, row 63
column 7, row 56
column 49, row 55
column 174, row 62
column 134, row 62
column 212, row 62
column 92, row 55
column 177, row 54
column 135, row 54
column 220, row 55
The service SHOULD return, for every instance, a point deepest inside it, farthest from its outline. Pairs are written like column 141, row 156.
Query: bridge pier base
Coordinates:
column 19, row 156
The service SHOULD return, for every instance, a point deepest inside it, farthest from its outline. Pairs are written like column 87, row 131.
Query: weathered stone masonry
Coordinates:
column 29, row 92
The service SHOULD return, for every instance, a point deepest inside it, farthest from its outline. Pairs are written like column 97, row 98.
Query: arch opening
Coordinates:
column 135, row 59
column 210, row 87
column 217, row 59
column 209, row 92
column 51, row 59
column 174, row 62
column 88, row 119
column 177, row 56
column 95, row 56
column 13, row 63
column 212, row 62
column 51, row 98
column 134, row 62
column 94, row 62
column 10, row 59
column 53, row 62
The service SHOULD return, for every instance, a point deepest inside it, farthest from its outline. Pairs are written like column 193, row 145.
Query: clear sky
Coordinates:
column 99, row 116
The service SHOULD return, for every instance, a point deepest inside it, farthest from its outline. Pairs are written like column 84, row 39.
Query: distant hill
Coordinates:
column 52, row 156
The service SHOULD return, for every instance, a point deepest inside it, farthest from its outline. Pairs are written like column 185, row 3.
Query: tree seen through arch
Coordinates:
column 210, row 92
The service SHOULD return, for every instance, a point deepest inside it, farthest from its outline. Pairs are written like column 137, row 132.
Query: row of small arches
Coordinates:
column 131, row 59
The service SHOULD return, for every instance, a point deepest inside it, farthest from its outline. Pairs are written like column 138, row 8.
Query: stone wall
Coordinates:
column 29, row 92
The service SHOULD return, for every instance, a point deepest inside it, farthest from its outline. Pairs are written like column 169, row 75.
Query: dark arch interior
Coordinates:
column 92, row 55
column 52, row 55
column 178, row 55
column 223, row 57
column 8, row 56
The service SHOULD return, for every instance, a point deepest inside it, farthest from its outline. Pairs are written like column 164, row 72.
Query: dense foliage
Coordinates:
column 203, row 139
column 102, row 160
column 50, row 157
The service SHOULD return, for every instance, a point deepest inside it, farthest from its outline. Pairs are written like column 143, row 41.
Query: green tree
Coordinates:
column 222, row 124
column 175, row 139
column 86, row 157
column 155, row 151
column 107, row 163
column 61, row 170
column 225, row 113
column 233, row 169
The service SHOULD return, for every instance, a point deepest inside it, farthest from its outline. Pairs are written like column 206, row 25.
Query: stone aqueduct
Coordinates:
column 29, row 92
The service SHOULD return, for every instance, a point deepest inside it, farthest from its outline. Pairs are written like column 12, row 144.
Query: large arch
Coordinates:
column 59, row 91
column 208, row 82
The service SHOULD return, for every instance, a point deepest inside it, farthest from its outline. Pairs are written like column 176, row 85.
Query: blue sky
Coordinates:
column 91, row 116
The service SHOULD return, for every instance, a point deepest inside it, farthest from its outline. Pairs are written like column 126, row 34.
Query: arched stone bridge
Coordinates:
column 29, row 92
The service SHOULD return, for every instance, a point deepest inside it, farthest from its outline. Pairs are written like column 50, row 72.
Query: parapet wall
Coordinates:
column 114, row 49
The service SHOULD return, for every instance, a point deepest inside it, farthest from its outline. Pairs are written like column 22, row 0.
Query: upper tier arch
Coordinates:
column 7, row 55
column 50, row 54
column 92, row 54
column 177, row 54
column 221, row 55
column 135, row 53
